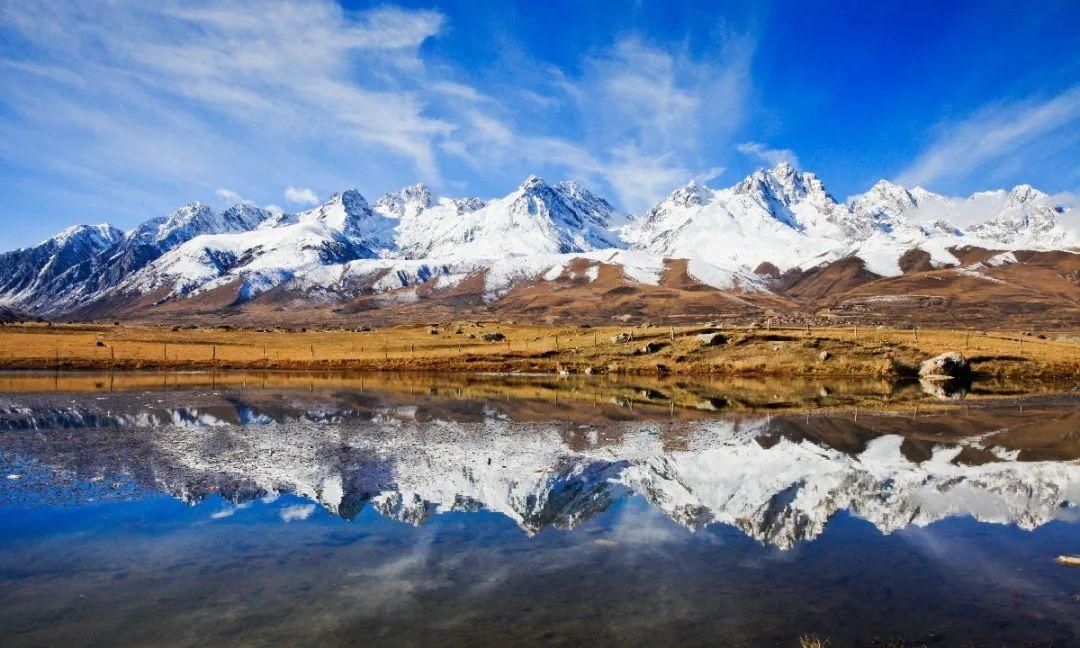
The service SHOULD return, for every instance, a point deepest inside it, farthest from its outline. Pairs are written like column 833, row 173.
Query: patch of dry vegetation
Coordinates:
column 506, row 347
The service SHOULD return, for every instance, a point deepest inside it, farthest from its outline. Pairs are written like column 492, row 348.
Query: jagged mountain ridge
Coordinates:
column 410, row 238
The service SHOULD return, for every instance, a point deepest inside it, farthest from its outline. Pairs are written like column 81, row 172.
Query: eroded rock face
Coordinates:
column 951, row 364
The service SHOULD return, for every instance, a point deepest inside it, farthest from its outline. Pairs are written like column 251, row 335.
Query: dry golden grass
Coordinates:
column 458, row 346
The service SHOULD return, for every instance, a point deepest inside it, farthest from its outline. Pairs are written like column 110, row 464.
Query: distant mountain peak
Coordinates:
column 407, row 201
column 532, row 182
column 1023, row 194
column 689, row 195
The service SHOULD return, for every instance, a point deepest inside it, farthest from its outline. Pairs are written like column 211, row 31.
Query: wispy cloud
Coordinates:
column 133, row 107
column 645, row 115
column 173, row 96
column 228, row 195
column 765, row 153
column 996, row 135
column 300, row 196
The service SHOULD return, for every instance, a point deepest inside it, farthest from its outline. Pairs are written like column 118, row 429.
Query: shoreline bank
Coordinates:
column 492, row 347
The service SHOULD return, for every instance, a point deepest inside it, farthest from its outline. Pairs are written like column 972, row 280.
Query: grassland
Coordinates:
column 509, row 347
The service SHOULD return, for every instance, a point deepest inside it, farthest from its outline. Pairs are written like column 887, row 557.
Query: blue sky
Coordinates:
column 120, row 111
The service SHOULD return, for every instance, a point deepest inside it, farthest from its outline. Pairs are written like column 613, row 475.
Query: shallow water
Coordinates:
column 259, row 510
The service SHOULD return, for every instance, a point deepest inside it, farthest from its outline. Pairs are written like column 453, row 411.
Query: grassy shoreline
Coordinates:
column 461, row 347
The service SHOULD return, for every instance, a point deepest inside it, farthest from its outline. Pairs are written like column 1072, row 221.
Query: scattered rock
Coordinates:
column 662, row 369
column 433, row 331
column 824, row 355
column 950, row 364
column 711, row 339
column 100, row 343
column 651, row 347
column 591, row 371
column 494, row 337
column 622, row 338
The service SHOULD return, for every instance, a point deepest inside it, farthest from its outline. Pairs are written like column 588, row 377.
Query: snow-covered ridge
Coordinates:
column 412, row 236
column 779, row 492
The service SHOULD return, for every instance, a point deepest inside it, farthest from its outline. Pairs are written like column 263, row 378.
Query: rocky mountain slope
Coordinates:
column 748, row 248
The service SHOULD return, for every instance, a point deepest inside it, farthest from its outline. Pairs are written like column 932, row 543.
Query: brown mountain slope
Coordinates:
column 1040, row 288
column 985, row 291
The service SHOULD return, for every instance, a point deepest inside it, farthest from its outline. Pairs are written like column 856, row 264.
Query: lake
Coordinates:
column 271, row 509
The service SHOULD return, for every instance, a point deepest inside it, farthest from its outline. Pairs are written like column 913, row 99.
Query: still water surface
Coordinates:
column 303, row 510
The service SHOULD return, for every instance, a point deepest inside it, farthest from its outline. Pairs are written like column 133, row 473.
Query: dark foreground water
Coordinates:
column 600, row 514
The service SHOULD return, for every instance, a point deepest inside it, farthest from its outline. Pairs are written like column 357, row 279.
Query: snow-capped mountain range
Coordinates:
column 412, row 238
column 776, row 487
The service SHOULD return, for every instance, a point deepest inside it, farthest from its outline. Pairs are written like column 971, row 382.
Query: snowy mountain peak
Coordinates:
column 98, row 236
column 689, row 195
column 532, row 182
column 922, row 196
column 407, row 201
column 784, row 185
column 1022, row 195
column 884, row 205
column 344, row 212
column 244, row 216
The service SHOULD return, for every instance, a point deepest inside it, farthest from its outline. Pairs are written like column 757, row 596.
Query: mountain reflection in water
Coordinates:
column 778, row 478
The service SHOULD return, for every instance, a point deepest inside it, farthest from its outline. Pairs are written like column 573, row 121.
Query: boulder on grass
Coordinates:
column 950, row 364
column 711, row 339
column 494, row 337
column 650, row 347
column 621, row 338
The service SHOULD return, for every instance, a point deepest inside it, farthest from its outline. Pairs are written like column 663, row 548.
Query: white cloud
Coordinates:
column 772, row 156
column 300, row 196
column 276, row 210
column 995, row 135
column 709, row 175
column 228, row 196
column 297, row 512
